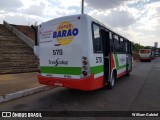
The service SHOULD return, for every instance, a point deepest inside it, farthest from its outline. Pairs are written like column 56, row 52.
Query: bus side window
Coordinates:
column 126, row 46
column 97, row 41
column 130, row 47
column 122, row 45
column 111, row 42
column 116, row 43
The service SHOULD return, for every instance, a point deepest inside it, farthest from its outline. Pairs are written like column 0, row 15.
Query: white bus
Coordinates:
column 145, row 55
column 81, row 53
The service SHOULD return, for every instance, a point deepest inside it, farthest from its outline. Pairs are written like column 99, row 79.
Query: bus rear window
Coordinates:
column 97, row 41
column 144, row 51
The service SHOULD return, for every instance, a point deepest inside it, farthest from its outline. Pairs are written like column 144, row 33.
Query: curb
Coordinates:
column 23, row 93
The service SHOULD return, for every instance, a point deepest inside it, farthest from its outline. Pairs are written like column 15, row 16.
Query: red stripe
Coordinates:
column 82, row 84
column 121, row 74
column 145, row 58
column 112, row 62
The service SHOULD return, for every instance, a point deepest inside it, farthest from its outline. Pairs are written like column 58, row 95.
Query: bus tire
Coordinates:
column 112, row 81
column 128, row 73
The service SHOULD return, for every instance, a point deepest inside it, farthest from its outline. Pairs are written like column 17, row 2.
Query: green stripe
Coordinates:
column 97, row 69
column 69, row 70
column 61, row 70
column 117, row 63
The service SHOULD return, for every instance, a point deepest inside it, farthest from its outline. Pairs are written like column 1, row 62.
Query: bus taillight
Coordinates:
column 85, row 63
column 85, row 73
column 85, row 67
column 84, row 58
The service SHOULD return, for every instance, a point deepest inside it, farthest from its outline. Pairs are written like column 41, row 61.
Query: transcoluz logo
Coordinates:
column 65, row 33
column 58, row 62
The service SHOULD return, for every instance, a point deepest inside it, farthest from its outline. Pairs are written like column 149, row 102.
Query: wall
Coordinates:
column 19, row 34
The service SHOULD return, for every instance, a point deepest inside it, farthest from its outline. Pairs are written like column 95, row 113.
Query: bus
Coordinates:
column 79, row 52
column 145, row 55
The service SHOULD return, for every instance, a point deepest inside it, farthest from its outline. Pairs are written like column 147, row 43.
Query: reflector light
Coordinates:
column 84, row 67
column 85, row 73
column 84, row 58
column 85, row 63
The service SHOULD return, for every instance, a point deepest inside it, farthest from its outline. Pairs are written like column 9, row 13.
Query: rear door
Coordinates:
column 128, row 56
column 106, row 51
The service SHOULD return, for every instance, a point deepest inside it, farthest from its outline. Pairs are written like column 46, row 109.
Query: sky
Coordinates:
column 138, row 20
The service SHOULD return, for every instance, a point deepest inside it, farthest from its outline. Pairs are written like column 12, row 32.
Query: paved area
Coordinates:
column 13, row 86
column 22, row 84
column 11, row 83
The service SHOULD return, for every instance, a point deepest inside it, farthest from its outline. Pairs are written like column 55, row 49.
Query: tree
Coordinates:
column 137, row 47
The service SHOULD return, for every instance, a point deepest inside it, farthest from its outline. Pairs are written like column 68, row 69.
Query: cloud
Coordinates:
column 10, row 5
column 21, row 19
column 114, row 18
column 152, row 1
column 150, row 21
column 69, row 3
column 55, row 12
column 48, row 9
column 120, row 19
column 138, row 20
column 104, row 4
column 34, row 9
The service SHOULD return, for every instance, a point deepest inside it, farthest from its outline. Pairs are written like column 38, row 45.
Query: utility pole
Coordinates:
column 82, row 8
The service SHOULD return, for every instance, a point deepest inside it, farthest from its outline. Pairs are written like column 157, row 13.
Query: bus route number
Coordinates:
column 58, row 52
column 98, row 59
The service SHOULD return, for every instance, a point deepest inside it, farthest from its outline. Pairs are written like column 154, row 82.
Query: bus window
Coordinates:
column 97, row 41
column 144, row 51
column 111, row 41
column 116, row 43
column 122, row 46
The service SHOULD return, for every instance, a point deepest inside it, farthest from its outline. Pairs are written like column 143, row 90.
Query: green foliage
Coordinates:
column 148, row 47
column 137, row 47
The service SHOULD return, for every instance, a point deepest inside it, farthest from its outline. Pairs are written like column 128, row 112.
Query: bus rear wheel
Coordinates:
column 112, row 81
column 128, row 73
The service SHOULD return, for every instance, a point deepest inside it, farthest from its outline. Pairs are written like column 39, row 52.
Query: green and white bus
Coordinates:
column 79, row 52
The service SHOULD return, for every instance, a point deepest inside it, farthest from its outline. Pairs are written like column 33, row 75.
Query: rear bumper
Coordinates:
column 85, row 84
column 147, row 59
